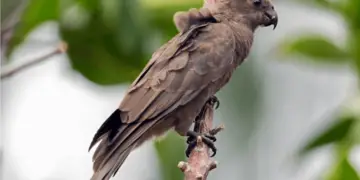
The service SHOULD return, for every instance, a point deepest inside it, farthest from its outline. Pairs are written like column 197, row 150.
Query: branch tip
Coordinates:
column 199, row 140
column 213, row 165
column 183, row 166
column 217, row 129
column 62, row 48
column 8, row 71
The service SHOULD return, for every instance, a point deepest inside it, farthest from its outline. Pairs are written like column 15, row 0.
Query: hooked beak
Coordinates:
column 273, row 17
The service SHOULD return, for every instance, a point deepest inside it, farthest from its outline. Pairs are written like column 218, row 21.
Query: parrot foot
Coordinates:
column 207, row 138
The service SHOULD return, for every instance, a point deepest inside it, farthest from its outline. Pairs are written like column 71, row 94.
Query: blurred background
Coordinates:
column 291, row 111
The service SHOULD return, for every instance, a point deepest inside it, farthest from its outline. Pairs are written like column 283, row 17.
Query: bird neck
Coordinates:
column 243, row 28
column 244, row 35
column 240, row 25
column 240, row 21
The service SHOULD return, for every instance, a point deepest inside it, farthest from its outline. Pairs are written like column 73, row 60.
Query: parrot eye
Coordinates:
column 257, row 2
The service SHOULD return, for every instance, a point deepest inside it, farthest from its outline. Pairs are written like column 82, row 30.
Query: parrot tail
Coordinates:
column 110, row 127
column 112, row 165
column 117, row 140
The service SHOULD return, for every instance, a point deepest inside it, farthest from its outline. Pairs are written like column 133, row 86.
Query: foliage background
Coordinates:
column 297, row 91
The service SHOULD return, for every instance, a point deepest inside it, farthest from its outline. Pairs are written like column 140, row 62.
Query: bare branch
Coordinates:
column 199, row 163
column 7, row 72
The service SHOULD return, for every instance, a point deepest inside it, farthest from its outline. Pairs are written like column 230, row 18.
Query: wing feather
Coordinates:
column 179, row 71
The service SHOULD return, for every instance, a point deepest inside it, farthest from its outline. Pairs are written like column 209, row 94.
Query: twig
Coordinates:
column 199, row 163
column 5, row 73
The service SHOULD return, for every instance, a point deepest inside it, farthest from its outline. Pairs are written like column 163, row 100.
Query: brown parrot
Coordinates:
column 180, row 77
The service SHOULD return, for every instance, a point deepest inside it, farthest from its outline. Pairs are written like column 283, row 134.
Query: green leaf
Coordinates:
column 356, row 131
column 89, row 4
column 334, row 133
column 109, row 48
column 315, row 47
column 342, row 168
column 160, row 13
column 171, row 151
column 343, row 171
column 36, row 13
column 94, row 52
column 352, row 14
column 336, row 6
column 354, row 43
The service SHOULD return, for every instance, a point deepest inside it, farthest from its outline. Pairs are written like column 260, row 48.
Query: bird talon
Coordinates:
column 211, row 137
column 191, row 146
column 207, row 138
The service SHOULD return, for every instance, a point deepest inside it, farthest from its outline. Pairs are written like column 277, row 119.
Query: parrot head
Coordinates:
column 259, row 12
column 254, row 12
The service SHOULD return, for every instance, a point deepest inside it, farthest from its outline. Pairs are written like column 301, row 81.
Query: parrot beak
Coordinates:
column 272, row 16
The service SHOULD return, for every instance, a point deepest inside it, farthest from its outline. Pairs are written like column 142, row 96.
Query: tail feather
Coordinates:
column 110, row 127
column 117, row 140
column 127, row 138
column 112, row 166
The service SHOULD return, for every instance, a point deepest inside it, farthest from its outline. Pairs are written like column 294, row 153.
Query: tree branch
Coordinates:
column 7, row 72
column 199, row 163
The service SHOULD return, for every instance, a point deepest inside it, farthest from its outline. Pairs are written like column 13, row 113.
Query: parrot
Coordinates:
column 180, row 77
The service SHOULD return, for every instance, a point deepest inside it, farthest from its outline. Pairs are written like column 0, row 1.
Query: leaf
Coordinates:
column 334, row 133
column 315, row 47
column 108, row 49
column 94, row 52
column 160, row 13
column 89, row 4
column 353, row 19
column 37, row 12
column 342, row 168
column 336, row 6
column 343, row 171
column 171, row 151
column 354, row 44
column 352, row 14
column 356, row 131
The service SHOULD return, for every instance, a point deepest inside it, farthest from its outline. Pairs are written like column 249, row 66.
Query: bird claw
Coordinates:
column 207, row 138
column 193, row 136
